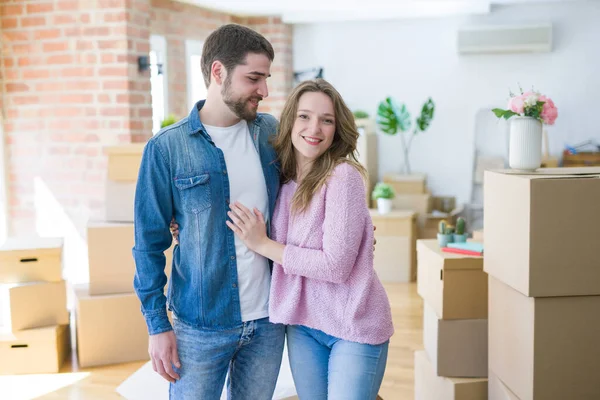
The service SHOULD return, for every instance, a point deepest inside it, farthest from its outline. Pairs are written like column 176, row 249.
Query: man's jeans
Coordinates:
column 251, row 354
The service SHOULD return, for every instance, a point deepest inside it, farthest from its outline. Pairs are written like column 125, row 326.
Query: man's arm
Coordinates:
column 153, row 211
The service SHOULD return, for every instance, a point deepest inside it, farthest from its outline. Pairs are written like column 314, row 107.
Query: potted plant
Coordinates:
column 445, row 233
column 393, row 118
column 459, row 235
column 384, row 194
column 169, row 120
column 527, row 112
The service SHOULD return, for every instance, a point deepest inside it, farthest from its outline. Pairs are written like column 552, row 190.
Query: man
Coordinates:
column 191, row 171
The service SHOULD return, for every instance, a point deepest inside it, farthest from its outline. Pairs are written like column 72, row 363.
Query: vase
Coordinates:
column 525, row 149
column 384, row 206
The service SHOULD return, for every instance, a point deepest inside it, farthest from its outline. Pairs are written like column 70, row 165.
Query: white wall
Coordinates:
column 413, row 59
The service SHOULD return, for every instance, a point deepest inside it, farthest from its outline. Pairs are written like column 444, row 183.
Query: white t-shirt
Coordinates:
column 246, row 185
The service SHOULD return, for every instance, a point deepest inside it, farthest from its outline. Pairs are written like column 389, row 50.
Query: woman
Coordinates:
column 324, row 286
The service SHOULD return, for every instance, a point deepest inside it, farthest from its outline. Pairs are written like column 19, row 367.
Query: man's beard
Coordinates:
column 238, row 106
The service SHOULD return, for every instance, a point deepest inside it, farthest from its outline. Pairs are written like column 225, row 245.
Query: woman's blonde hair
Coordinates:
column 342, row 149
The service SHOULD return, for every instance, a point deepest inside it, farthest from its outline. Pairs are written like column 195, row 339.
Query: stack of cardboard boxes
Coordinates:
column 34, row 321
column 395, row 252
column 454, row 289
column 412, row 195
column 541, row 253
column 110, row 326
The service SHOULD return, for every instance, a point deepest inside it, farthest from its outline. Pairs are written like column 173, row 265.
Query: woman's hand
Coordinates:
column 249, row 226
column 174, row 228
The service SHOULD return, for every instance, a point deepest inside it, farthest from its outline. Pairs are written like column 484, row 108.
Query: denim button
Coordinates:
column 233, row 257
column 224, row 172
column 234, row 285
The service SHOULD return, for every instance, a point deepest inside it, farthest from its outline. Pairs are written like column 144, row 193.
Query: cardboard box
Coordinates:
column 31, row 259
column 544, row 348
column 542, row 230
column 33, row 305
column 419, row 203
column 34, row 351
column 445, row 204
column 497, row 390
column 110, row 329
column 456, row 348
column 119, row 201
column 124, row 162
column 407, row 184
column 478, row 235
column 367, row 156
column 453, row 284
column 110, row 257
column 429, row 386
column 395, row 254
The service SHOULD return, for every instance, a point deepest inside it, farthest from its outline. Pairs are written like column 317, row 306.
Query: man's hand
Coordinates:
column 163, row 353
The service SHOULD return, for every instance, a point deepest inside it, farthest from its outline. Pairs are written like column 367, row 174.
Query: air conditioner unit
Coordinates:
column 505, row 39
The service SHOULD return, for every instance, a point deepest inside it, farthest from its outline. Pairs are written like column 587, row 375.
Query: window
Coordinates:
column 196, row 89
column 158, row 80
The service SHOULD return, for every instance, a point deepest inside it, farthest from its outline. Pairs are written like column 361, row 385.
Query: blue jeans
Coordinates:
column 328, row 368
column 251, row 354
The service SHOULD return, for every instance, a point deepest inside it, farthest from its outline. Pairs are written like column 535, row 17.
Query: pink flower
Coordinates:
column 517, row 104
column 549, row 111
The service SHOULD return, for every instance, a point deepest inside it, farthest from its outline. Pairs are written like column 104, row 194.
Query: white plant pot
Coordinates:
column 525, row 150
column 384, row 206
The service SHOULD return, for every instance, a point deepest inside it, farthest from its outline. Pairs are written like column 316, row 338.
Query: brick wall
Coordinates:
column 71, row 86
column 178, row 22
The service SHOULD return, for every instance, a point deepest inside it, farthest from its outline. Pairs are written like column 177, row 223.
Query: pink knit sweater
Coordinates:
column 327, row 281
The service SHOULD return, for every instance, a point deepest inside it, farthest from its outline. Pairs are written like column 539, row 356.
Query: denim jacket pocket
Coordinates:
column 194, row 192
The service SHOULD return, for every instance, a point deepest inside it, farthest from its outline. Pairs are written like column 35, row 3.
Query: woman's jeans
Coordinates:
column 328, row 368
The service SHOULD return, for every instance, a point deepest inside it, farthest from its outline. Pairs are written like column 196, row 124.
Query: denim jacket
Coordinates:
column 183, row 175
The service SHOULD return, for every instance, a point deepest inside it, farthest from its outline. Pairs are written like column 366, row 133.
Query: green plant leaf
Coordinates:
column 424, row 120
column 499, row 112
column 392, row 118
column 508, row 114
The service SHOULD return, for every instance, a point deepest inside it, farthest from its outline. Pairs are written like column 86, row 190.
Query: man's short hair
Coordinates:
column 230, row 44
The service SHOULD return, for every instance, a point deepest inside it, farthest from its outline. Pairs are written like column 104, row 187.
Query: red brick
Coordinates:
column 28, row 61
column 115, row 85
column 85, row 45
column 46, row 34
column 89, row 58
column 32, row 21
column 10, row 10
column 9, row 23
column 143, row 47
column 49, row 87
column 85, row 18
column 24, row 48
column 112, row 44
column 76, row 98
column 107, row 58
column 8, row 62
column 114, row 112
column 115, row 16
column 82, row 85
column 67, row 5
column 56, row 46
column 36, row 74
column 111, row 3
column 60, row 59
column 17, row 36
column 77, row 71
column 64, row 19
column 104, row 98
column 16, row 87
column 97, row 31
column 113, row 71
column 40, row 8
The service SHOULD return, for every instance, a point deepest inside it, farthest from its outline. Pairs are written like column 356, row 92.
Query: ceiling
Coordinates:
column 308, row 11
